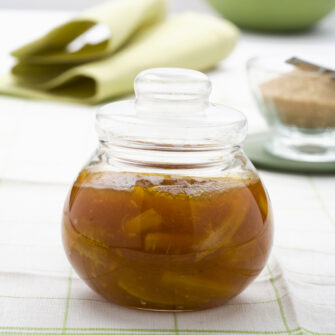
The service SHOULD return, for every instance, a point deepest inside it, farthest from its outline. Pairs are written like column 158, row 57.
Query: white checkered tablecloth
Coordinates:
column 42, row 147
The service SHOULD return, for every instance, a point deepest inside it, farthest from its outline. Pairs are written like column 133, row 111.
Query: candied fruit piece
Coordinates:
column 148, row 220
column 223, row 235
column 197, row 285
column 168, row 243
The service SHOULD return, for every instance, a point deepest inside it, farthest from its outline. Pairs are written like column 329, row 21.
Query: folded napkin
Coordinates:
column 191, row 40
column 117, row 20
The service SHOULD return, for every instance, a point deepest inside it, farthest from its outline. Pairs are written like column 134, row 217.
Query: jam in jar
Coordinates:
column 169, row 214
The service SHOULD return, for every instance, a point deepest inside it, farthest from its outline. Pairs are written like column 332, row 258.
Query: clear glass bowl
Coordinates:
column 299, row 106
column 169, row 214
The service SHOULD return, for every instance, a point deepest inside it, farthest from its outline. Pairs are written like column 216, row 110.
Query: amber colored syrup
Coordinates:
column 167, row 242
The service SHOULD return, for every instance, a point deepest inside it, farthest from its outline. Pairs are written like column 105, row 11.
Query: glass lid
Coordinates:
column 171, row 112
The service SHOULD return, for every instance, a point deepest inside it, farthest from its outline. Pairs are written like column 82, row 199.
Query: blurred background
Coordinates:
column 176, row 5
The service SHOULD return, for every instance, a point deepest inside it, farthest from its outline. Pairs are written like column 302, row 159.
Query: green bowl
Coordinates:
column 274, row 15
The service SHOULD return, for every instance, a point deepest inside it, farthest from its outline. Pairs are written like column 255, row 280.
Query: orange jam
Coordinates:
column 166, row 242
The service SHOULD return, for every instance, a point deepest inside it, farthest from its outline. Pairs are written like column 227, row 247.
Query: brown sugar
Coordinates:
column 303, row 99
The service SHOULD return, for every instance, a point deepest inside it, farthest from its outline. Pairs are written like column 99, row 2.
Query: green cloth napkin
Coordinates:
column 190, row 40
column 121, row 19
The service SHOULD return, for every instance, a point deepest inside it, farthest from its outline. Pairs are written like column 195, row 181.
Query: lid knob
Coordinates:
column 172, row 84
column 171, row 112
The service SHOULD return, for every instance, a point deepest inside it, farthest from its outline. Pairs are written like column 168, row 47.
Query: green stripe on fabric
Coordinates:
column 316, row 333
column 175, row 321
column 318, row 196
column 280, row 305
column 306, row 250
column 256, row 302
column 67, row 303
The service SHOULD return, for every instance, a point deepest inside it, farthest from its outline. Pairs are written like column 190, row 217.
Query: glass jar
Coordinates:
column 298, row 103
column 169, row 214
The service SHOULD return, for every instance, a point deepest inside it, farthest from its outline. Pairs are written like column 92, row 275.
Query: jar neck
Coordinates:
column 169, row 158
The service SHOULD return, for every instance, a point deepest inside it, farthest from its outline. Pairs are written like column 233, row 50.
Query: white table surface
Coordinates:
column 44, row 142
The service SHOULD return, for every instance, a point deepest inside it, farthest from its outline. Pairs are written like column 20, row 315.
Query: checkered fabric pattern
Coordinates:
column 42, row 147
